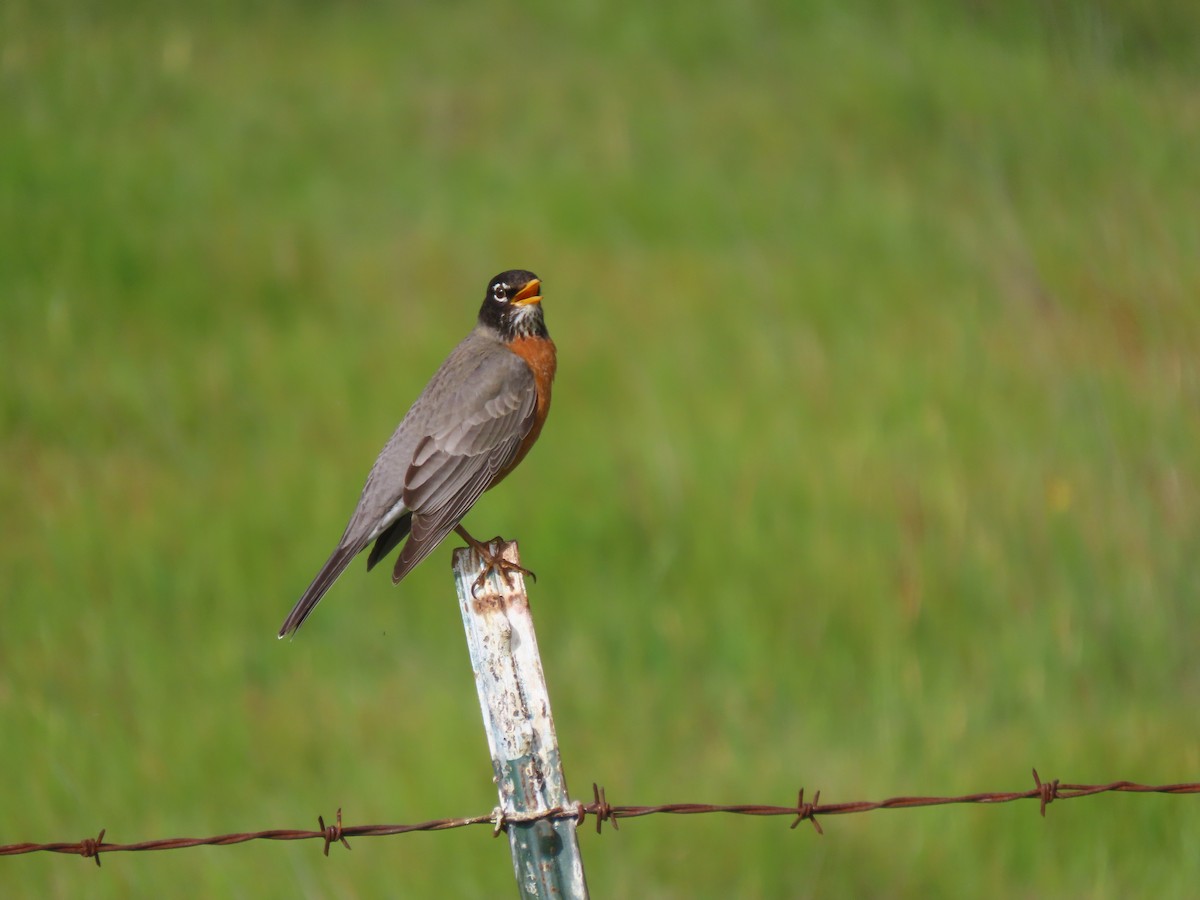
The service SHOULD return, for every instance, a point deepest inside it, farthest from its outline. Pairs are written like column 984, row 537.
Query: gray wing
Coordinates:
column 470, row 441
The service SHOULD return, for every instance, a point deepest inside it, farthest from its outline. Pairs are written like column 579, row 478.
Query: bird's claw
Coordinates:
column 492, row 561
column 495, row 562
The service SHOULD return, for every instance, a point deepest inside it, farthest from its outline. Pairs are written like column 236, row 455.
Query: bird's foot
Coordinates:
column 492, row 562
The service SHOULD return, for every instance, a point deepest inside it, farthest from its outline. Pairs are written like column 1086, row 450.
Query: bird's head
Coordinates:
column 513, row 305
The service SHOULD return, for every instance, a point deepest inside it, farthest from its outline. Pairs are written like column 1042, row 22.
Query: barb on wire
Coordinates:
column 1045, row 792
column 600, row 809
column 333, row 834
column 808, row 811
column 91, row 847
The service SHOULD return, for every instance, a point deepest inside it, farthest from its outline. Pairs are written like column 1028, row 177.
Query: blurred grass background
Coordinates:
column 873, row 465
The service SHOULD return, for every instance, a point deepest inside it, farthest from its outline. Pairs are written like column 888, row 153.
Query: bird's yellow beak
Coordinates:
column 528, row 294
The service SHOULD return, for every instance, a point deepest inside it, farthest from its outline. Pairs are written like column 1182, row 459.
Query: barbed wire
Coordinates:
column 1045, row 792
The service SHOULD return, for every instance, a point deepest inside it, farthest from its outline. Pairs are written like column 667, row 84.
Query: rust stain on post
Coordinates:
column 488, row 603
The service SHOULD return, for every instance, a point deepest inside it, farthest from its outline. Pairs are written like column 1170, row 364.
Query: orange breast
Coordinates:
column 541, row 357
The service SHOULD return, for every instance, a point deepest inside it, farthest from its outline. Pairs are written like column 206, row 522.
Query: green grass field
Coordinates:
column 874, row 466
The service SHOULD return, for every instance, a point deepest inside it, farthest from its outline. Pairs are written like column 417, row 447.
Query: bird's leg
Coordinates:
column 493, row 562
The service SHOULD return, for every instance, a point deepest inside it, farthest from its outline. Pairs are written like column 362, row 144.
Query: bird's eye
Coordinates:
column 500, row 292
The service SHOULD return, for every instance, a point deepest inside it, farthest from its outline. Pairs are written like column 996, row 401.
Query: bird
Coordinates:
column 472, row 424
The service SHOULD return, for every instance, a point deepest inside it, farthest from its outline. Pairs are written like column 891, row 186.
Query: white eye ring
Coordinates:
column 500, row 292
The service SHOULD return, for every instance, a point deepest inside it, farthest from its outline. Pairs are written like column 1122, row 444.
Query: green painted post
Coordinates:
column 520, row 730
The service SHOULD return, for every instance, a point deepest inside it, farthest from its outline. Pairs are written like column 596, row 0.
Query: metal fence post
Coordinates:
column 520, row 730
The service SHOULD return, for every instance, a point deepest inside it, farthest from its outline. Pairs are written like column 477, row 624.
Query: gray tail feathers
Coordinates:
column 329, row 573
column 387, row 541
column 336, row 564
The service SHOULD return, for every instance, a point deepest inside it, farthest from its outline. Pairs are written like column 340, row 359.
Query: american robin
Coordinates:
column 475, row 420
